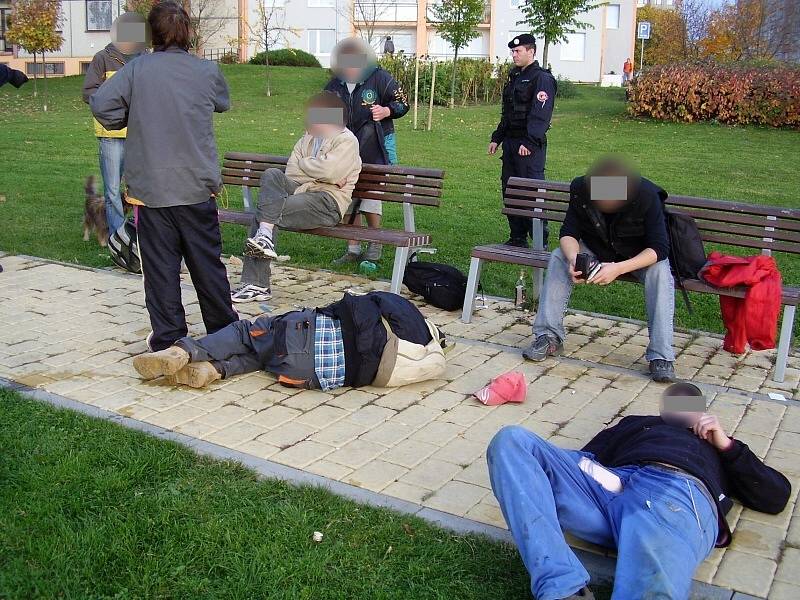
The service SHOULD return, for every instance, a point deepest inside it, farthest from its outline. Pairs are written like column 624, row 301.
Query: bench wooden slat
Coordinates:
column 514, row 192
column 760, row 221
column 549, row 216
column 533, row 184
column 735, row 207
column 389, row 237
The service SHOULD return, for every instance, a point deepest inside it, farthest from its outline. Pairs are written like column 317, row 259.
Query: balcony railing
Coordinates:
column 377, row 11
column 487, row 14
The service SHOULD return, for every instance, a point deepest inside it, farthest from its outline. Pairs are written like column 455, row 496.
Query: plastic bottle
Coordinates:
column 367, row 267
column 520, row 297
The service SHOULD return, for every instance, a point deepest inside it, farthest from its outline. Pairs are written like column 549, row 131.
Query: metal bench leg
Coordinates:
column 400, row 260
column 472, row 289
column 783, row 343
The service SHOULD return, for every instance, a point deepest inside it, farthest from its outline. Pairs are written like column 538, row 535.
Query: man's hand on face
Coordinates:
column 709, row 429
column 492, row 147
column 379, row 113
column 607, row 273
column 523, row 151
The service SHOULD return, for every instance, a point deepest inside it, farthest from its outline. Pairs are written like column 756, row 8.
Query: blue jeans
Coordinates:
column 112, row 155
column 659, row 298
column 662, row 524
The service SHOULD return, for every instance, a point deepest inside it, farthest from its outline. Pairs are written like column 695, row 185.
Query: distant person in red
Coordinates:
column 627, row 72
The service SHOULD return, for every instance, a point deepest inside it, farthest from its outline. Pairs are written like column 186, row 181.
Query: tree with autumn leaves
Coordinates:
column 34, row 27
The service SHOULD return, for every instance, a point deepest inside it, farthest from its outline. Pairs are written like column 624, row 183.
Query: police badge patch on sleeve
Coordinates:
column 542, row 97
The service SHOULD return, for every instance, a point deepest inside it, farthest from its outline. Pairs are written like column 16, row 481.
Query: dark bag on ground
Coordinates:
column 124, row 248
column 440, row 285
column 686, row 252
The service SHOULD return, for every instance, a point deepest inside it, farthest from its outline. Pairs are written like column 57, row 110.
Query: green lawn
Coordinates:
column 51, row 153
column 89, row 509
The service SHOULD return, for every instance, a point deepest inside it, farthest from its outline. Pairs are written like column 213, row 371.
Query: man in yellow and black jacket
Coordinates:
column 111, row 143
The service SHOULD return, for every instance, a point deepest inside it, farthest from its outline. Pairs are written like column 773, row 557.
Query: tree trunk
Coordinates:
column 266, row 54
column 544, row 53
column 44, row 74
column 35, row 76
column 453, row 79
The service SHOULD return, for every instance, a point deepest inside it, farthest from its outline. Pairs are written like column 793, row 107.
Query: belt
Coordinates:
column 678, row 471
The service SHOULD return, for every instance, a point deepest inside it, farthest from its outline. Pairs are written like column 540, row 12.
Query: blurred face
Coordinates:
column 352, row 74
column 129, row 47
column 682, row 405
column 522, row 56
column 609, row 194
column 324, row 122
column 323, row 130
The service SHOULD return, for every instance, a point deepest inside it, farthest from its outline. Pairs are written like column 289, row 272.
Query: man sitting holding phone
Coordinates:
column 615, row 224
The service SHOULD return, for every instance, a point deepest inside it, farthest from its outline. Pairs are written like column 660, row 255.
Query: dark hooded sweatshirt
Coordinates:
column 735, row 472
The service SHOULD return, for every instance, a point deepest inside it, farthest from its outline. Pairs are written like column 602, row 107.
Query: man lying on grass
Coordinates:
column 655, row 488
column 376, row 339
column 315, row 191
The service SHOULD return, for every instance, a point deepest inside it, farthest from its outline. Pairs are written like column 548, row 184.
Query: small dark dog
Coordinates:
column 94, row 212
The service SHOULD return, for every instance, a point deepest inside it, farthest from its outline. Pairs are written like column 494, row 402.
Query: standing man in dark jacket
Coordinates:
column 655, row 488
column 112, row 142
column 528, row 100
column 168, row 99
column 374, row 99
column 625, row 232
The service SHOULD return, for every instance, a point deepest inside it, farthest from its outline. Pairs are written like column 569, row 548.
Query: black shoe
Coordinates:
column 542, row 347
column 662, row 371
column 517, row 243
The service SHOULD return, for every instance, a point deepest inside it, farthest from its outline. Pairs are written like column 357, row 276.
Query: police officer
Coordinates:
column 528, row 99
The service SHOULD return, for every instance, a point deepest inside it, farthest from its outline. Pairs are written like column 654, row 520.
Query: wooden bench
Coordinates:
column 753, row 227
column 410, row 186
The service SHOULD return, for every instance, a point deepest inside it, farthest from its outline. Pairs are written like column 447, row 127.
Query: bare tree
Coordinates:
column 270, row 30
column 696, row 16
column 368, row 15
column 208, row 18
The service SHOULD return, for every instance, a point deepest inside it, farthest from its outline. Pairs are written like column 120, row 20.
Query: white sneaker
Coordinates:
column 260, row 246
column 250, row 293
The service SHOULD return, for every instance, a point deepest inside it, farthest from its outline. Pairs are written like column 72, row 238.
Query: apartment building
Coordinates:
column 316, row 25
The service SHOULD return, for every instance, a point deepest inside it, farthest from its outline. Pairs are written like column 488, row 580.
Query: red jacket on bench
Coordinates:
column 754, row 318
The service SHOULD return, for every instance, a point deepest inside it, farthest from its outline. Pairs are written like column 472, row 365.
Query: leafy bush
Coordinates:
column 566, row 88
column 287, row 57
column 736, row 95
column 478, row 81
column 229, row 58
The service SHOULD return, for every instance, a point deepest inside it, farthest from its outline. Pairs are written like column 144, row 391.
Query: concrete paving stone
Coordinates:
column 486, row 513
column 788, row 441
column 438, row 433
column 260, row 400
column 460, row 451
column 759, row 444
column 302, row 454
column 375, row 475
column 705, row 572
column 442, row 400
column 456, row 497
column 339, row 433
column 215, row 399
column 431, row 474
column 757, row 538
column 236, row 434
column 399, row 399
column 746, row 573
column 287, row 434
column 175, row 416
column 405, row 491
column 329, row 469
column 274, row 416
column 416, row 416
column 781, row 590
column 322, row 416
column 357, row 453
column 789, row 569
column 371, row 415
column 135, row 411
column 195, row 429
column 249, row 384
column 352, row 399
column 793, row 535
column 306, row 400
column 409, row 453
column 388, row 433
column 465, row 414
column 226, row 415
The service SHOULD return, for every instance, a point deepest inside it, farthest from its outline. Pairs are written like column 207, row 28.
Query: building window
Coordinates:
column 4, row 45
column 51, row 68
column 612, row 16
column 98, row 15
column 321, row 41
column 322, row 3
column 574, row 48
column 84, row 67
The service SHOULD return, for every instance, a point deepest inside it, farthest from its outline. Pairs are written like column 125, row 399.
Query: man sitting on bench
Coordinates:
column 378, row 339
column 615, row 224
column 315, row 191
column 655, row 488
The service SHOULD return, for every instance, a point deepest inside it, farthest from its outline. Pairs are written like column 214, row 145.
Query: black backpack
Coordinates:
column 686, row 252
column 440, row 285
column 123, row 246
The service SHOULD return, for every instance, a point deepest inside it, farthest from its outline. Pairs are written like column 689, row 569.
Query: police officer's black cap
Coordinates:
column 522, row 40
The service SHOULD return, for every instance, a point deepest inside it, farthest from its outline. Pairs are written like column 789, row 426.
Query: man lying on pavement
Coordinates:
column 376, row 339
column 655, row 488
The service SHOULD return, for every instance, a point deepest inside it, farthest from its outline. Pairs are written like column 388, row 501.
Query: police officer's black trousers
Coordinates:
column 532, row 167
column 167, row 235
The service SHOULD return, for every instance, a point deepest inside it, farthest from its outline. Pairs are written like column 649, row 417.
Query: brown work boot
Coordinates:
column 582, row 594
column 163, row 362
column 196, row 375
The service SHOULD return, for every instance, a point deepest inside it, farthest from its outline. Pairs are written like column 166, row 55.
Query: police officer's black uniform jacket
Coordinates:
column 378, row 89
column 528, row 100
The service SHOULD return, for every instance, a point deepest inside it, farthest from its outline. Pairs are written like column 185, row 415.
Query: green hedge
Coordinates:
column 478, row 81
column 287, row 57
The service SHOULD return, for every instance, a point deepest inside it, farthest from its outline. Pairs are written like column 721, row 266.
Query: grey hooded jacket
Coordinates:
column 166, row 99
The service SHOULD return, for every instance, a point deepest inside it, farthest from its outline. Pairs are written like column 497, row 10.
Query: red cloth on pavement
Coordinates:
column 754, row 318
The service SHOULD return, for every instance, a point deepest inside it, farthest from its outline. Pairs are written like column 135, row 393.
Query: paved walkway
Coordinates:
column 74, row 331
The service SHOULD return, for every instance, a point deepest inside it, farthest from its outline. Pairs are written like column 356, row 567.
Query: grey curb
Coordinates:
column 600, row 568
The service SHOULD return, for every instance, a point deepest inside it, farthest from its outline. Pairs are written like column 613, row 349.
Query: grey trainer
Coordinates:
column 542, row 347
column 348, row 258
column 662, row 371
column 374, row 251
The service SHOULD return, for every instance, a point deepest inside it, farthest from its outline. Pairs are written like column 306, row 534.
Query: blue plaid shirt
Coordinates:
column 328, row 353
